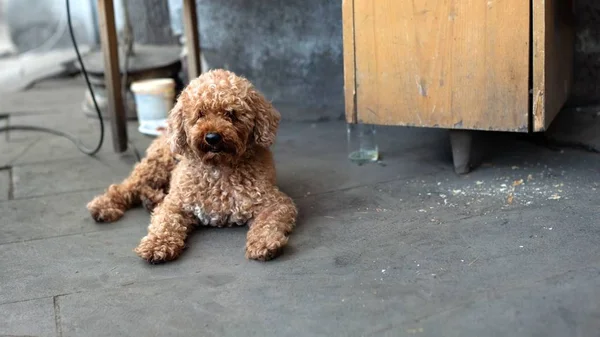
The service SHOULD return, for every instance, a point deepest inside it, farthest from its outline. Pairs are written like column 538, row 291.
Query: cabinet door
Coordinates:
column 438, row 63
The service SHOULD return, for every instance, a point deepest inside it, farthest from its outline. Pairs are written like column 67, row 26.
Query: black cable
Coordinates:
column 66, row 135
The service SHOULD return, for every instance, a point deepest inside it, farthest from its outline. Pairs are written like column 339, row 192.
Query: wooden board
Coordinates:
column 192, row 38
column 553, row 49
column 438, row 63
column 112, row 75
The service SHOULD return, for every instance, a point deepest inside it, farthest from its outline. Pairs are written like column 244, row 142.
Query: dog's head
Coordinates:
column 219, row 116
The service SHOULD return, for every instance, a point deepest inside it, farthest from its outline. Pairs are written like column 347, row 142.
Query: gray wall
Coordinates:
column 291, row 49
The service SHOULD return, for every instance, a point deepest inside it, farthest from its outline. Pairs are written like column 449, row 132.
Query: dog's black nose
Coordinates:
column 213, row 138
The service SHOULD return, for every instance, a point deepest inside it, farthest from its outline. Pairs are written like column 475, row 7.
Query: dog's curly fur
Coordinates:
column 224, row 184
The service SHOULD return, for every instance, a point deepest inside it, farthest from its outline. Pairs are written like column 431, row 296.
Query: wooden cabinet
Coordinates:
column 499, row 65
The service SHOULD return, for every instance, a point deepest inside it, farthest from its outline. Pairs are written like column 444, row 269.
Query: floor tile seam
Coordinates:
column 41, row 196
column 66, row 235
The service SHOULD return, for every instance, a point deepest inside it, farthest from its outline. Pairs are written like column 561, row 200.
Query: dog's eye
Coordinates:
column 230, row 114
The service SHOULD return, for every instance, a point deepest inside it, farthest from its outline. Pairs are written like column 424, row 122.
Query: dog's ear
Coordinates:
column 266, row 120
column 176, row 137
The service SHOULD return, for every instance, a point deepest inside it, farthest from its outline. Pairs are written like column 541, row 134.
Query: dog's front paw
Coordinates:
column 103, row 210
column 156, row 249
column 264, row 245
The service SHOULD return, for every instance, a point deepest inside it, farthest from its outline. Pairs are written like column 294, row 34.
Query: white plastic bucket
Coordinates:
column 153, row 100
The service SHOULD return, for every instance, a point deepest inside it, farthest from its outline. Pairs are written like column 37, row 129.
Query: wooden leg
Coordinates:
column 462, row 143
column 112, row 75
column 192, row 39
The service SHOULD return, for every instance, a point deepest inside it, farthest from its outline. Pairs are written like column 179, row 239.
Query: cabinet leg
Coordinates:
column 462, row 150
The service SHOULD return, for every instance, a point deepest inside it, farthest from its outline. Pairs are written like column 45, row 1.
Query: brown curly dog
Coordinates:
column 220, row 129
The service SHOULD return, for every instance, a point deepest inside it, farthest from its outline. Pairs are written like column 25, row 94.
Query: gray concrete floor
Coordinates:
column 400, row 248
